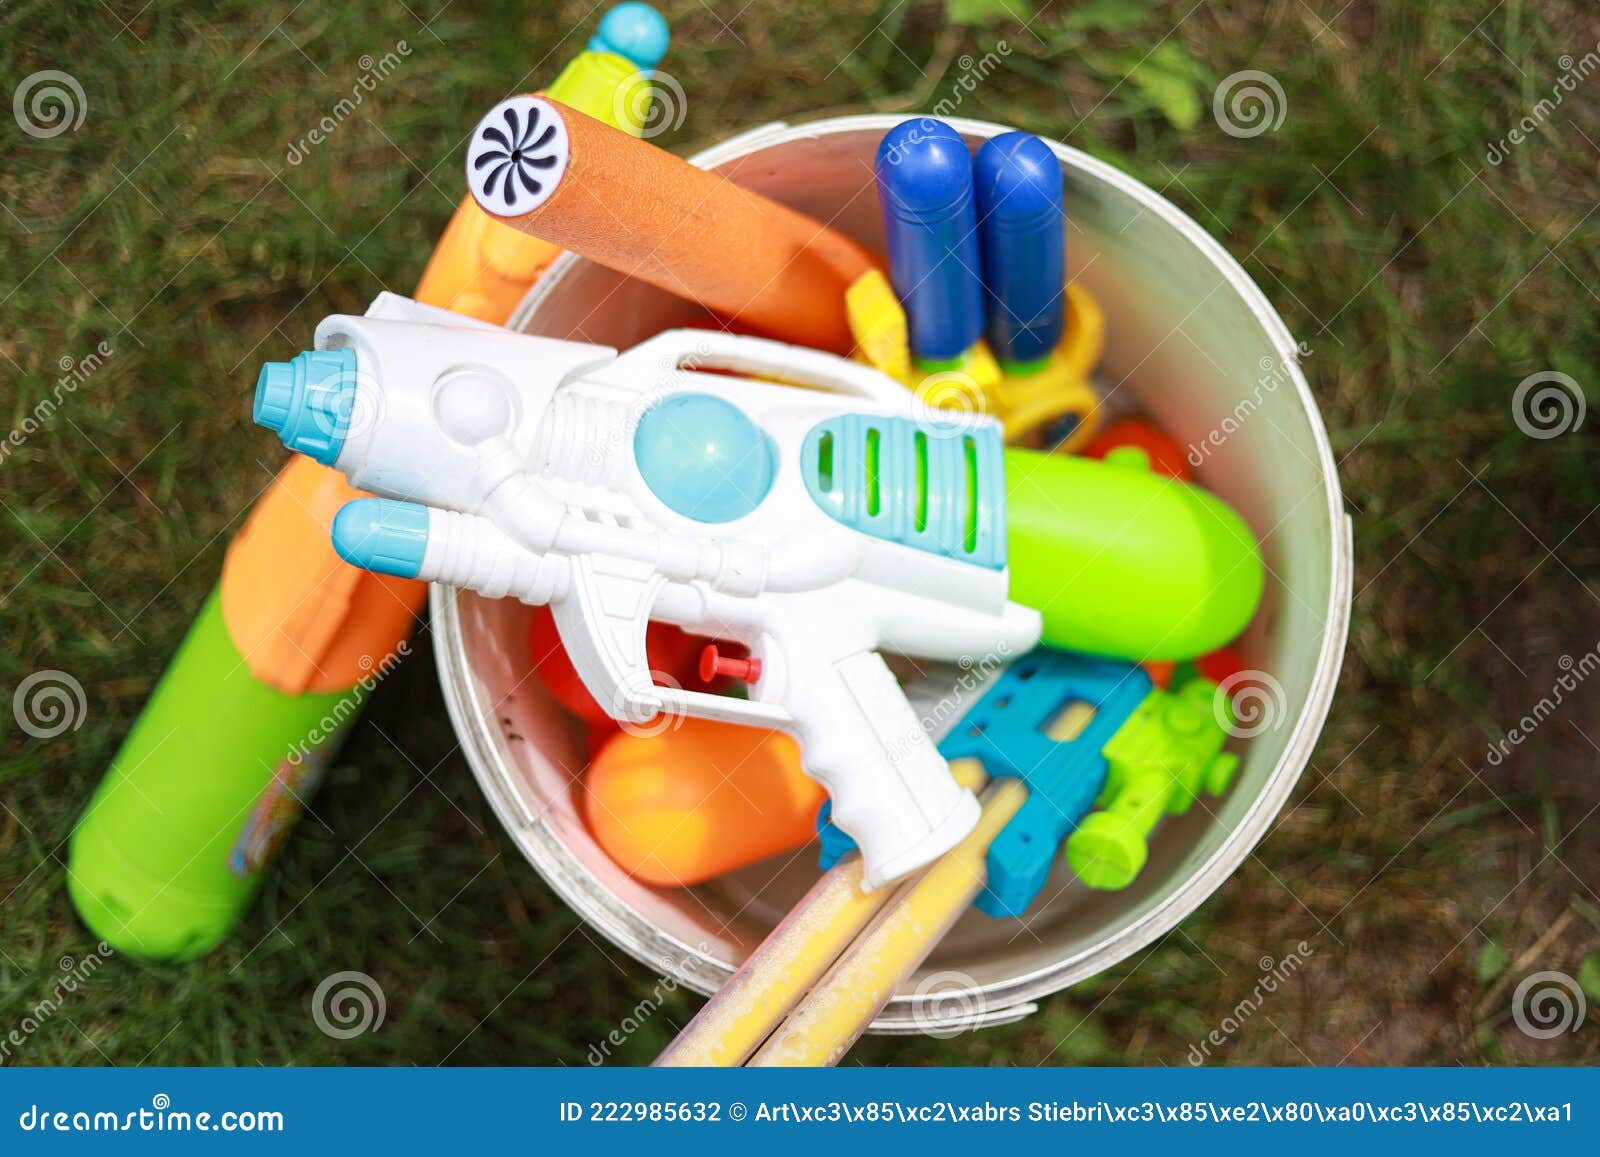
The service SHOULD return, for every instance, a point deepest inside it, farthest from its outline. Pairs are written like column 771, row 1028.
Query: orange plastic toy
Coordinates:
column 693, row 803
column 640, row 210
column 672, row 653
column 1164, row 454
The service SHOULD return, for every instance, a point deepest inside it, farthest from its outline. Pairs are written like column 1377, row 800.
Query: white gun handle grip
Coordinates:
column 891, row 789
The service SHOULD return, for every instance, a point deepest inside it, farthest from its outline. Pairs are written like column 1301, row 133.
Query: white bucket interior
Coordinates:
column 1189, row 338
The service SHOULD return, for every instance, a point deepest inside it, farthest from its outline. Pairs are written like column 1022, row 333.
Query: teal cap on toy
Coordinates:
column 380, row 534
column 308, row 400
column 634, row 30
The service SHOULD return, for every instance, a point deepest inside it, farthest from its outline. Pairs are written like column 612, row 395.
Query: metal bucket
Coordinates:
column 1193, row 343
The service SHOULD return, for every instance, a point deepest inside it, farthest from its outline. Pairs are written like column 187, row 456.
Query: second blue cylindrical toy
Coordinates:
column 1022, row 236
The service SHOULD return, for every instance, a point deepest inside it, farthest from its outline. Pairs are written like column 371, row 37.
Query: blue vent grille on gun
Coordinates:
column 1009, row 732
column 935, row 486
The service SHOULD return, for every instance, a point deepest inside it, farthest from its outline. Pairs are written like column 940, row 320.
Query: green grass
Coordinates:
column 1427, row 281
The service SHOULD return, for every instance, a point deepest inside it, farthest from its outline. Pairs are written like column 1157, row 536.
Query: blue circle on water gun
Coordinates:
column 703, row 457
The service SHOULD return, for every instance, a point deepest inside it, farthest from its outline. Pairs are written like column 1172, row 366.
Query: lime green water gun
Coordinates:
column 1160, row 761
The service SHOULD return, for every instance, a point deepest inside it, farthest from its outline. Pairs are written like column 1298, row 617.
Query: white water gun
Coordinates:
column 687, row 480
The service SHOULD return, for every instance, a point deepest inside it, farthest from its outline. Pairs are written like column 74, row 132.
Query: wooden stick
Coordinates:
column 835, row 1014
column 789, row 961
column 745, row 1010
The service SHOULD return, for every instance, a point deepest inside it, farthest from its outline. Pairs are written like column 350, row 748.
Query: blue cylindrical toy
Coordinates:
column 930, row 230
column 1022, row 236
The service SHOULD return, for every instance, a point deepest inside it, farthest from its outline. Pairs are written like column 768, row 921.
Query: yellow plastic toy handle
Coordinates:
column 1024, row 402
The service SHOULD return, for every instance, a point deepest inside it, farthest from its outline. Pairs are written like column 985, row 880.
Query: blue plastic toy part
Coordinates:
column 1007, row 731
column 930, row 228
column 1022, row 237
column 936, row 486
column 379, row 534
column 635, row 31
column 703, row 457
column 308, row 400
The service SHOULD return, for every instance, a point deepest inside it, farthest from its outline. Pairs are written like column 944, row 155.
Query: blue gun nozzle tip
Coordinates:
column 382, row 535
column 307, row 400
column 274, row 395
column 633, row 30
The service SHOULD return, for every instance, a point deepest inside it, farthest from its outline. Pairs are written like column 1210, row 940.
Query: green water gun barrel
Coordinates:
column 171, row 848
column 210, row 780
column 1125, row 563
